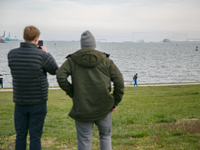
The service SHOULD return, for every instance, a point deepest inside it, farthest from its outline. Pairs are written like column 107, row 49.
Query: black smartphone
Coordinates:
column 40, row 43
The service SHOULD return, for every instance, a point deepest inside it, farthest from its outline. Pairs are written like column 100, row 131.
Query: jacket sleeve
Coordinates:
column 62, row 74
column 49, row 64
column 117, row 79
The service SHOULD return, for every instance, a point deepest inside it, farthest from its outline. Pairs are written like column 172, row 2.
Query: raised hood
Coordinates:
column 88, row 57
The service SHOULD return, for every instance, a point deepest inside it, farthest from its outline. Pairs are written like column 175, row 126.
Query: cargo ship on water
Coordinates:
column 9, row 38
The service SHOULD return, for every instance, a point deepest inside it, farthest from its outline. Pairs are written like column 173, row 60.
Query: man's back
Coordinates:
column 28, row 68
column 92, row 72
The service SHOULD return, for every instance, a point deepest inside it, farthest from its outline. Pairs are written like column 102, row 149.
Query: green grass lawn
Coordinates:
column 148, row 118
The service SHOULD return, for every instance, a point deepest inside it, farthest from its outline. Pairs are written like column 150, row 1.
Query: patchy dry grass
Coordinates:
column 46, row 143
column 189, row 126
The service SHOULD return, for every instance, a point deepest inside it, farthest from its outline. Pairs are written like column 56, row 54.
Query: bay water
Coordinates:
column 154, row 62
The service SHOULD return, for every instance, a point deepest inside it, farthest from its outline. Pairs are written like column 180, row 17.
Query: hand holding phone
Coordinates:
column 40, row 46
column 44, row 48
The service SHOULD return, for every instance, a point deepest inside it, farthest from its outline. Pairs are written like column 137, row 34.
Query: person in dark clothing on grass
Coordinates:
column 1, row 81
column 91, row 72
column 135, row 79
column 29, row 67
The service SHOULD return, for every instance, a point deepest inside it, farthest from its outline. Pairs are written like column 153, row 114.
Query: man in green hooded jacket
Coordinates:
column 91, row 73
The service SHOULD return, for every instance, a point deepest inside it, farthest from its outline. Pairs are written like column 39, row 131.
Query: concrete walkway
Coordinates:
column 6, row 90
column 127, row 85
column 164, row 84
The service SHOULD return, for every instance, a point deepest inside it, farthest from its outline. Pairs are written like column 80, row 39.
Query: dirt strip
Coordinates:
column 126, row 85
column 6, row 90
column 164, row 84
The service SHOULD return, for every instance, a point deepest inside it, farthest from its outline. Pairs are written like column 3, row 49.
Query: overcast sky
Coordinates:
column 113, row 20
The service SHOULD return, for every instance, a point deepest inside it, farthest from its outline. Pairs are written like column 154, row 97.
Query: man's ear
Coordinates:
column 36, row 40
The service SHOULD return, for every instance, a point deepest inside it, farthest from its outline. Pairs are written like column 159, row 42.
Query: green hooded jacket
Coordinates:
column 91, row 73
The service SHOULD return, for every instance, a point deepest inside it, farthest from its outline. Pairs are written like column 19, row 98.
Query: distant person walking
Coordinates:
column 1, row 81
column 91, row 72
column 29, row 67
column 135, row 79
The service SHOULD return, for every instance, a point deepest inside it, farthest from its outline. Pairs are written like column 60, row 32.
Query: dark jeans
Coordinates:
column 1, row 82
column 29, row 118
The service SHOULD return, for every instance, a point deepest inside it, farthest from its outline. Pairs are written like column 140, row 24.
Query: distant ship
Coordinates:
column 9, row 38
column 2, row 38
column 166, row 41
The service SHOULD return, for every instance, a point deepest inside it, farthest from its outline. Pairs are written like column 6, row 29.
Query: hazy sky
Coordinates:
column 113, row 20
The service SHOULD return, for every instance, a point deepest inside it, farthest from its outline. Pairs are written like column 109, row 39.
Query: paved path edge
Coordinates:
column 127, row 85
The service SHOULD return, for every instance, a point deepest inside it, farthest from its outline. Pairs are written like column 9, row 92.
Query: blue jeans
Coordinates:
column 29, row 118
column 85, row 131
column 135, row 80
